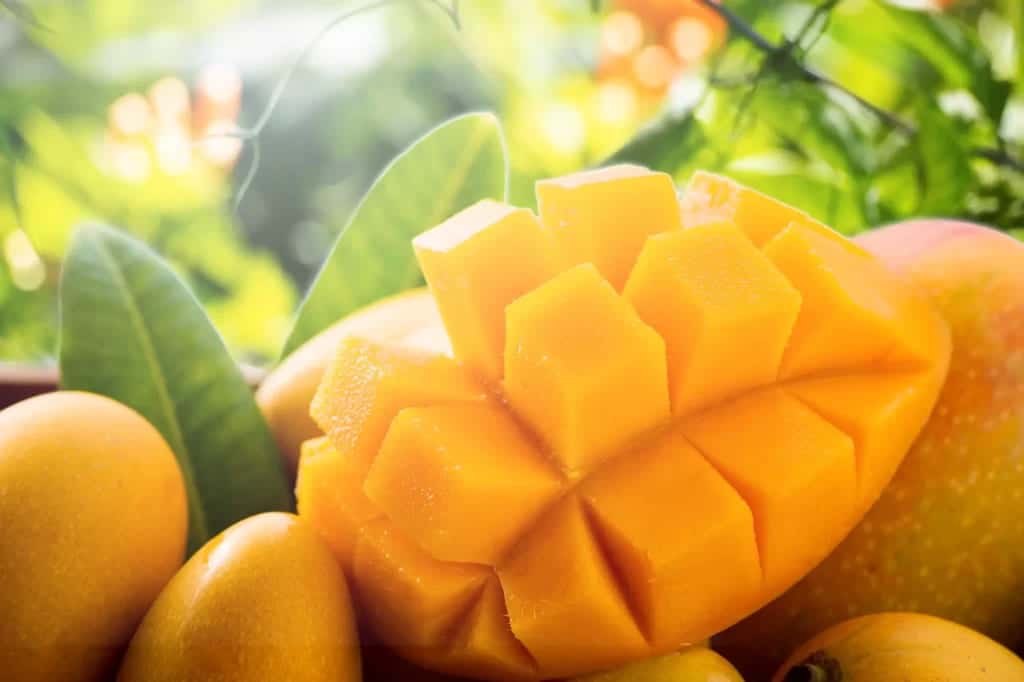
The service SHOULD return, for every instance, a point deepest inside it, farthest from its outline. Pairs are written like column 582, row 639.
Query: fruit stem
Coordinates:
column 808, row 672
column 818, row 667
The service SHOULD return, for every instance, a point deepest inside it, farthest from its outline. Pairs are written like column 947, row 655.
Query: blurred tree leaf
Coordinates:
column 944, row 163
column 952, row 49
column 451, row 167
column 131, row 330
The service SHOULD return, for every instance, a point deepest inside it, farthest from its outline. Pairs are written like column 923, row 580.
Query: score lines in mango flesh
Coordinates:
column 660, row 413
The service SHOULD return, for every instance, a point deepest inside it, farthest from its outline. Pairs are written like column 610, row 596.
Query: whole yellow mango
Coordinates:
column 901, row 647
column 285, row 394
column 92, row 526
column 264, row 601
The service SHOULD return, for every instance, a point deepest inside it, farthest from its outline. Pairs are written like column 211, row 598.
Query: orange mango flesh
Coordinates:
column 684, row 423
column 604, row 216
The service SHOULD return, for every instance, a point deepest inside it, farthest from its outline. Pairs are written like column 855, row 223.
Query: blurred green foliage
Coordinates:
column 943, row 135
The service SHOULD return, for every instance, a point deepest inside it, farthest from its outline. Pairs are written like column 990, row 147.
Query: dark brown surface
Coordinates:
column 18, row 383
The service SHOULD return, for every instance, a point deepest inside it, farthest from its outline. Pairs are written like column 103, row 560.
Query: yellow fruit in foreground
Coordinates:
column 92, row 525
column 692, row 665
column 285, row 394
column 901, row 647
column 264, row 601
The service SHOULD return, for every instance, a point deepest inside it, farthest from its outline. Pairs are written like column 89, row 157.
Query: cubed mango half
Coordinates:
column 661, row 413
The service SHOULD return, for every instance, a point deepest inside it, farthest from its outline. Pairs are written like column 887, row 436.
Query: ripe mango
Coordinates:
column 697, row 664
column 901, row 647
column 946, row 537
column 645, row 434
column 92, row 525
column 284, row 395
column 264, row 601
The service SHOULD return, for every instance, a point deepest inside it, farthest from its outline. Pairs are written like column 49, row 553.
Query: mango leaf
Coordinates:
column 131, row 330
column 451, row 167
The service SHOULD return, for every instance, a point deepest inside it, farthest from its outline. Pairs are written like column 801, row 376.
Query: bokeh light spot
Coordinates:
column 28, row 271
column 130, row 114
column 654, row 67
column 621, row 33
column 616, row 102
column 564, row 128
column 170, row 99
column 220, row 82
column 691, row 39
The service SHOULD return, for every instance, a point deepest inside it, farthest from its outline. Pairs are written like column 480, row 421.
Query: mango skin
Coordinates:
column 901, row 647
column 697, row 664
column 92, row 526
column 284, row 395
column 264, row 601
column 946, row 537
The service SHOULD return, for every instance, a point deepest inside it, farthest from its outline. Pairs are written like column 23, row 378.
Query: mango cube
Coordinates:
column 416, row 600
column 574, row 349
column 711, row 198
column 646, row 431
column 851, row 317
column 485, row 641
column 707, row 290
column 797, row 471
column 445, row 471
column 368, row 383
column 563, row 600
column 638, row 512
column 330, row 492
column 462, row 260
column 604, row 216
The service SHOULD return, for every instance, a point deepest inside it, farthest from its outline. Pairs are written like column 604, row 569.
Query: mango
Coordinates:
column 901, row 647
column 645, row 433
column 696, row 664
column 946, row 536
column 264, row 601
column 284, row 395
column 92, row 525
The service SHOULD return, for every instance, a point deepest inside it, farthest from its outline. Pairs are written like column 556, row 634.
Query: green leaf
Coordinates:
column 451, row 167
column 131, row 330
column 944, row 163
column 952, row 49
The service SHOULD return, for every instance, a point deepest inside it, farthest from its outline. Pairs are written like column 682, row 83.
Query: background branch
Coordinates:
column 1000, row 157
column 784, row 57
column 252, row 133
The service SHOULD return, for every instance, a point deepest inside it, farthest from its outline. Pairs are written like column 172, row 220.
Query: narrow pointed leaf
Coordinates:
column 131, row 330
column 451, row 167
